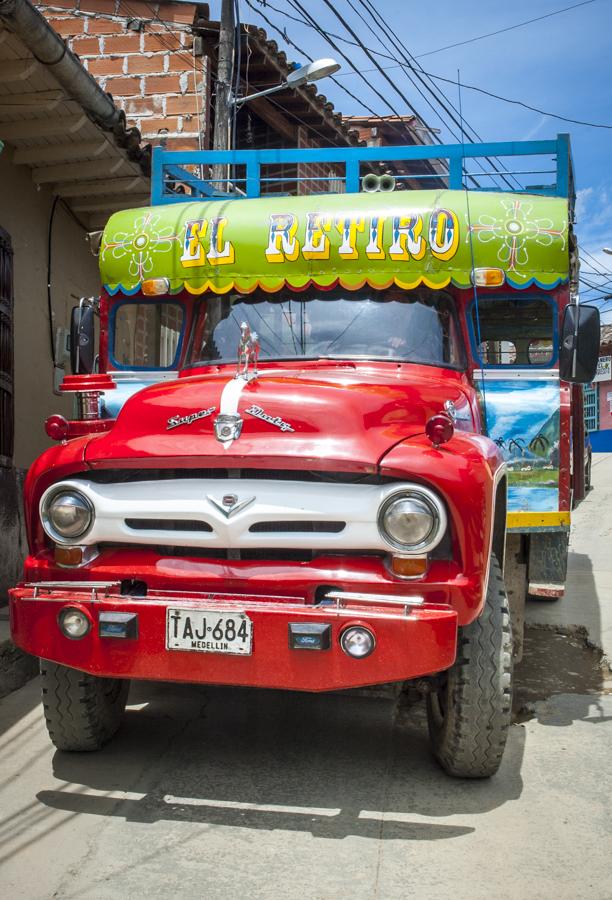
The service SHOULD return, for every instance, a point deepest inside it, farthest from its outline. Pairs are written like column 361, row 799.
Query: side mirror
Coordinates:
column 82, row 340
column 579, row 349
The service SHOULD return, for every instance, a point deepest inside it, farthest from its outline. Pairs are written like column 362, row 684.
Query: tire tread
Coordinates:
column 82, row 711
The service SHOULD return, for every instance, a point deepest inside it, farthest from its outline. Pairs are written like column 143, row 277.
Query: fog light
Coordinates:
column 74, row 623
column 357, row 641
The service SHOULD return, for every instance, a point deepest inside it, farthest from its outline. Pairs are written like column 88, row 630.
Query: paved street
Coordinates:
column 226, row 793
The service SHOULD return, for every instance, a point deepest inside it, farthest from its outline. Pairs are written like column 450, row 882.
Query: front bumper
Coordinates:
column 411, row 641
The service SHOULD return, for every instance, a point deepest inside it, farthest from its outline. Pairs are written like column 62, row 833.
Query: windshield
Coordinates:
column 416, row 326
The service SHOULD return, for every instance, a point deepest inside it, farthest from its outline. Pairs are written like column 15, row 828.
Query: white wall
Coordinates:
column 24, row 213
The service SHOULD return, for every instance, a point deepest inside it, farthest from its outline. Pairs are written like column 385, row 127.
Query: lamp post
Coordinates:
column 226, row 103
column 314, row 71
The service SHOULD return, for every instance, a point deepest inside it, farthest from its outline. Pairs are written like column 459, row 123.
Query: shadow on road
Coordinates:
column 329, row 764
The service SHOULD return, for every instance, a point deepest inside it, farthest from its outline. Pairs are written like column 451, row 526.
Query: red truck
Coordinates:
column 304, row 439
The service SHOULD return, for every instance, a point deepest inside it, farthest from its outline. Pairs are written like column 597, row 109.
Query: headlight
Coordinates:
column 412, row 520
column 67, row 515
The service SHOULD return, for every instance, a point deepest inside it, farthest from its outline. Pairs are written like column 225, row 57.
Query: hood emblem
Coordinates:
column 260, row 413
column 451, row 409
column 175, row 421
column 248, row 353
column 228, row 427
column 229, row 504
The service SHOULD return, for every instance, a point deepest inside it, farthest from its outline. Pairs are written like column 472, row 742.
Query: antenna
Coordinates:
column 471, row 242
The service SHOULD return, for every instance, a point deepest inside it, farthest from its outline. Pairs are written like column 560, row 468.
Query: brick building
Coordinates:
column 159, row 60
column 64, row 150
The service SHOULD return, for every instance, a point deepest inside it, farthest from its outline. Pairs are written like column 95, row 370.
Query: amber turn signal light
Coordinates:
column 68, row 556
column 408, row 566
column 155, row 287
column 488, row 277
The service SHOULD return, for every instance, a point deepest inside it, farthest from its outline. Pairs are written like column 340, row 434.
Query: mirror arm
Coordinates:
column 94, row 304
column 576, row 327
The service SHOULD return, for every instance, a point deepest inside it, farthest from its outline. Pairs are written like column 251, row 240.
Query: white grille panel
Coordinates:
column 256, row 501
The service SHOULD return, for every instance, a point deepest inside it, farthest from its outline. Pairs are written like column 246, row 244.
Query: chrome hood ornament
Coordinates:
column 248, row 353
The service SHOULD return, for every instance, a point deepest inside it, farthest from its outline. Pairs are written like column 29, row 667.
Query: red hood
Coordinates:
column 343, row 417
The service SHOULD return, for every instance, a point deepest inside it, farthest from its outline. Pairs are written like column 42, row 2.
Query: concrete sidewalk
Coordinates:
column 588, row 596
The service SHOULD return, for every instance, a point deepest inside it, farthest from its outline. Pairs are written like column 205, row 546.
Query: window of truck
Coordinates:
column 146, row 334
column 416, row 326
column 514, row 331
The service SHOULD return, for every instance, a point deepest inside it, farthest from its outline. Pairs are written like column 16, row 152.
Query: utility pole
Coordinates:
column 225, row 72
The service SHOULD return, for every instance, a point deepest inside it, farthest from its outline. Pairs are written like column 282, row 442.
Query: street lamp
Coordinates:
column 320, row 68
column 607, row 250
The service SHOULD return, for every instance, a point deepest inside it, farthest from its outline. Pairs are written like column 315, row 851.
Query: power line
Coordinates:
column 310, row 22
column 297, row 5
column 471, row 133
column 481, row 37
column 473, row 87
column 598, row 263
column 300, row 50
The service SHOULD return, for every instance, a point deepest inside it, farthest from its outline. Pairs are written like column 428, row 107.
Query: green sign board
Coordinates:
column 408, row 238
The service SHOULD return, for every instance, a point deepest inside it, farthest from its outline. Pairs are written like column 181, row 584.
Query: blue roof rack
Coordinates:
column 179, row 176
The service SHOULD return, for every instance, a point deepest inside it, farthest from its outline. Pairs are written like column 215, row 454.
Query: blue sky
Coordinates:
column 562, row 64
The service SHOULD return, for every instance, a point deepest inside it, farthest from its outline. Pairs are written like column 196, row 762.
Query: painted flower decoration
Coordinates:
column 140, row 244
column 514, row 230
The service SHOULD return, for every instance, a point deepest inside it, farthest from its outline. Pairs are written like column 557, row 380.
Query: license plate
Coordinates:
column 208, row 631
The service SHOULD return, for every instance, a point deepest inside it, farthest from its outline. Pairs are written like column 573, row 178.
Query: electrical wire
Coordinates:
column 56, row 200
column 237, row 64
column 307, row 56
column 479, row 90
column 482, row 37
column 597, row 262
column 434, row 91
column 473, row 265
column 183, row 56
column 297, row 5
column 311, row 22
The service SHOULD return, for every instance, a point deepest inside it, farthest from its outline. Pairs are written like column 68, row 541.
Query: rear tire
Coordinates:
column 82, row 711
column 469, row 716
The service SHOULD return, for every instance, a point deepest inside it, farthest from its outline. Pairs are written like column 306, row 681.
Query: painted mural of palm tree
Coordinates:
column 540, row 444
column 517, row 444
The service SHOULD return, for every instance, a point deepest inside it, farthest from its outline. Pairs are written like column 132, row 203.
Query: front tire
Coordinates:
column 82, row 712
column 469, row 716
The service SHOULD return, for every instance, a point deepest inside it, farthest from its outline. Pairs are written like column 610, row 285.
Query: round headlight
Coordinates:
column 412, row 521
column 67, row 515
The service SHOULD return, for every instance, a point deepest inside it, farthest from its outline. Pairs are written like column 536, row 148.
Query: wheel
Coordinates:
column 469, row 715
column 82, row 712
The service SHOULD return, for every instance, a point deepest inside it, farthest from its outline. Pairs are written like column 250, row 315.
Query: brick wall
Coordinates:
column 151, row 72
column 331, row 176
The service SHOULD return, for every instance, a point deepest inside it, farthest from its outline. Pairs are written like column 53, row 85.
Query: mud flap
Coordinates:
column 547, row 564
column 515, row 579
